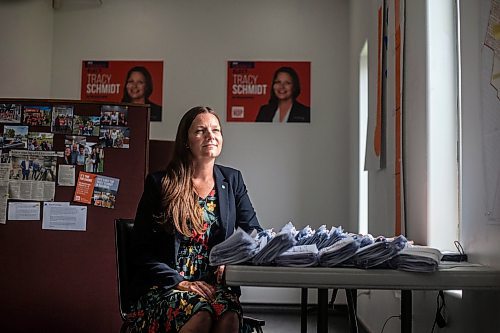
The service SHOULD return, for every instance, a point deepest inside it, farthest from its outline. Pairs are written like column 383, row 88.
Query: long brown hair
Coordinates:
column 179, row 200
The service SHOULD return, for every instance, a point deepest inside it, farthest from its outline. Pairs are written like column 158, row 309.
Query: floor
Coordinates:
column 286, row 318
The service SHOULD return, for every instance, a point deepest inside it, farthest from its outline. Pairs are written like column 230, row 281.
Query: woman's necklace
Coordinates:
column 203, row 189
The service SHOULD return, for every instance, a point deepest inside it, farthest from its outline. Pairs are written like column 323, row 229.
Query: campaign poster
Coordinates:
column 137, row 82
column 84, row 188
column 269, row 91
column 100, row 191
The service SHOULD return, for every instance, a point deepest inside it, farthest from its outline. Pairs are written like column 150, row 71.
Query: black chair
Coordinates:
column 123, row 245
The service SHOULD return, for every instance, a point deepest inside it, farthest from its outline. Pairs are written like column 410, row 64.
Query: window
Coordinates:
column 363, row 126
column 442, row 125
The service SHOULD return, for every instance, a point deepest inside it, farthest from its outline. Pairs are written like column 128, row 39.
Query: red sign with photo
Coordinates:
column 268, row 91
column 138, row 82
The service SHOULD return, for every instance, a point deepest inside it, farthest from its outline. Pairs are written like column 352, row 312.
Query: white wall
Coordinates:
column 294, row 171
column 26, row 48
column 476, row 311
column 479, row 237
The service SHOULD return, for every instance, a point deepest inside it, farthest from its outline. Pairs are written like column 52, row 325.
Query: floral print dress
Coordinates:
column 168, row 311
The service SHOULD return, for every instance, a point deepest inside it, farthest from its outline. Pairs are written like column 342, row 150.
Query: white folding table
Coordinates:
column 462, row 276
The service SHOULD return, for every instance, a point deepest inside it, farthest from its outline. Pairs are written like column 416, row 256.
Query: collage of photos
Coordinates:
column 110, row 126
column 31, row 155
column 109, row 129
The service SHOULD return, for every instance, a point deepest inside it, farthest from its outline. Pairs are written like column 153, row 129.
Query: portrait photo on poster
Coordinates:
column 136, row 82
column 269, row 91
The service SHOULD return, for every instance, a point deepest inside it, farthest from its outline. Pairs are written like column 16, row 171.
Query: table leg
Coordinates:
column 406, row 311
column 303, row 310
column 322, row 324
column 352, row 298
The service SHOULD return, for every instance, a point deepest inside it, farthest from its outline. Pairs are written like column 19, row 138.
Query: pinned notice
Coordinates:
column 62, row 216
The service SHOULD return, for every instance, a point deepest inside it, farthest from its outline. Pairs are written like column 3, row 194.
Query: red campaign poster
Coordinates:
column 127, row 81
column 269, row 91
column 84, row 190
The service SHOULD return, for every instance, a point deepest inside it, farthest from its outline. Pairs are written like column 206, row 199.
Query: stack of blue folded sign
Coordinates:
column 328, row 248
column 237, row 248
column 270, row 248
column 417, row 259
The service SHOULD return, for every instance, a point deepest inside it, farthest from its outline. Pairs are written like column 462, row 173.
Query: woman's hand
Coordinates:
column 219, row 274
column 198, row 287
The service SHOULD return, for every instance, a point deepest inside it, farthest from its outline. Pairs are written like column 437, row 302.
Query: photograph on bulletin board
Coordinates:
column 269, row 91
column 137, row 82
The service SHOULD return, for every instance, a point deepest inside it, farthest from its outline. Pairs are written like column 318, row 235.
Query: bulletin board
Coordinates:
column 54, row 281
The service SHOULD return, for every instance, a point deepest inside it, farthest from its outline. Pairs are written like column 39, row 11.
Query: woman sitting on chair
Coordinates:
column 184, row 211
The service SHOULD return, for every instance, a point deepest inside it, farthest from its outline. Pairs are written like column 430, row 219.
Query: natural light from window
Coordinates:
column 363, row 127
column 442, row 125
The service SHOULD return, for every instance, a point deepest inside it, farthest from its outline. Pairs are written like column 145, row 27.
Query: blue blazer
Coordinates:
column 156, row 248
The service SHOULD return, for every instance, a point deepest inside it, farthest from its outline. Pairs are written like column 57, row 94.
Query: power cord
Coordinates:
column 457, row 257
column 439, row 319
column 387, row 320
column 460, row 250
